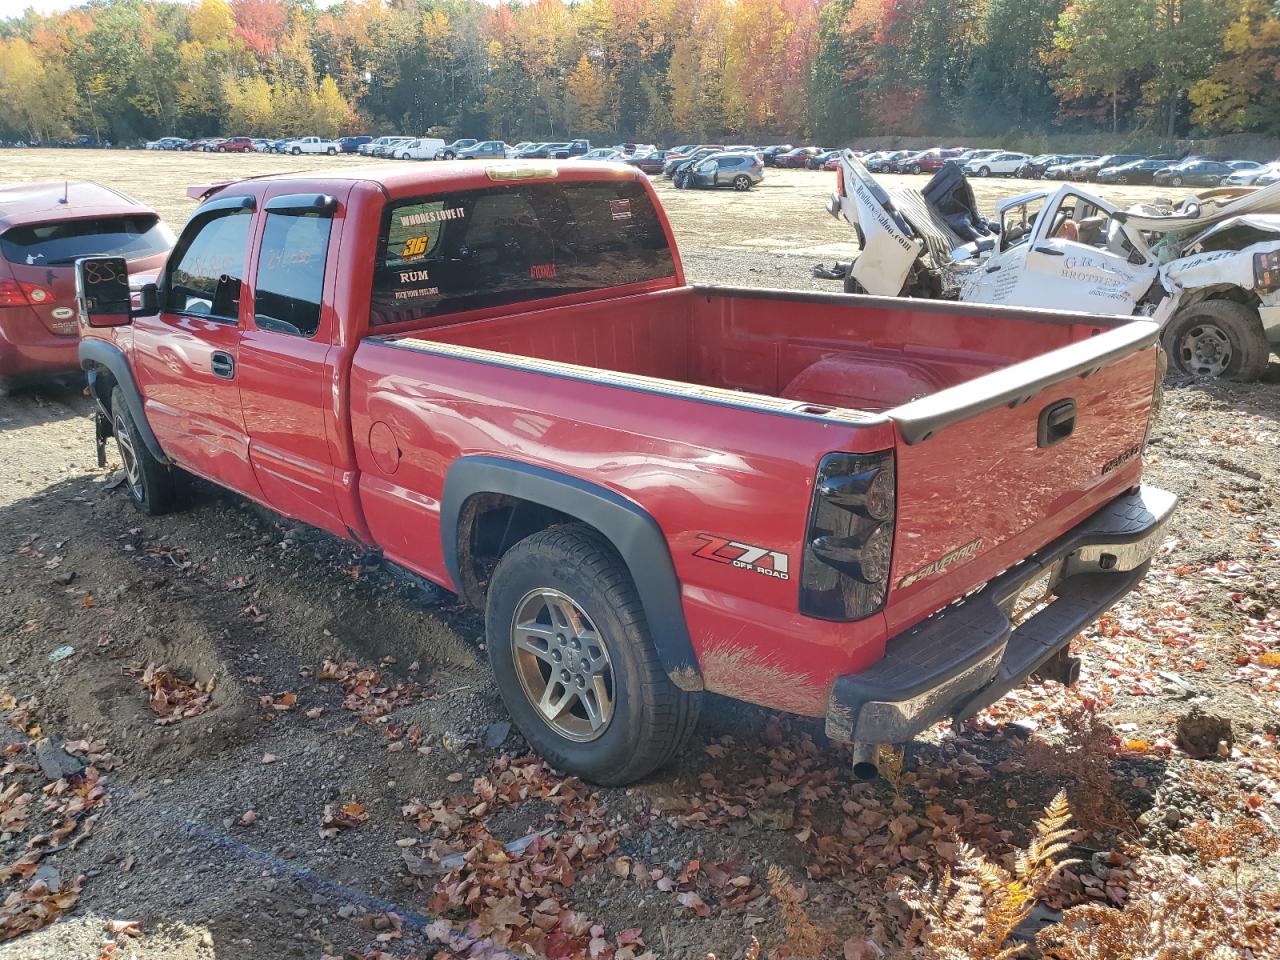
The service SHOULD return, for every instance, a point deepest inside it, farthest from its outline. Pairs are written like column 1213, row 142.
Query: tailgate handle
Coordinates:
column 1057, row 421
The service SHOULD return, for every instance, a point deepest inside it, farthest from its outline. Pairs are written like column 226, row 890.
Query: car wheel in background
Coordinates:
column 574, row 661
column 152, row 485
column 331, row 151
column 449, row 154
column 984, row 171
column 915, row 168
column 1217, row 338
column 1176, row 181
column 296, row 150
column 741, row 182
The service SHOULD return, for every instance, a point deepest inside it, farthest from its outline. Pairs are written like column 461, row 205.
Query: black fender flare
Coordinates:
column 100, row 353
column 632, row 531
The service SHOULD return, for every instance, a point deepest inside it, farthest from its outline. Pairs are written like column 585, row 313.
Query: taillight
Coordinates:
column 849, row 541
column 11, row 294
column 1266, row 270
column 840, row 181
column 15, row 294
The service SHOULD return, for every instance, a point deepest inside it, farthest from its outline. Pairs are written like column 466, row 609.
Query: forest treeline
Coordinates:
column 653, row 70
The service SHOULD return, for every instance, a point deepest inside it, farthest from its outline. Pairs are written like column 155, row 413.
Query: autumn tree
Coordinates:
column 1242, row 90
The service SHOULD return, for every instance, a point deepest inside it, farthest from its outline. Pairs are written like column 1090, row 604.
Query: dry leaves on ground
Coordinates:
column 172, row 697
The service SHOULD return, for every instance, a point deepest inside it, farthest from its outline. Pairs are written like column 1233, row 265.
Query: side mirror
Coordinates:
column 145, row 300
column 102, row 291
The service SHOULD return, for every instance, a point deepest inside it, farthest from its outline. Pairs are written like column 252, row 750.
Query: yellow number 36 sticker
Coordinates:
column 414, row 247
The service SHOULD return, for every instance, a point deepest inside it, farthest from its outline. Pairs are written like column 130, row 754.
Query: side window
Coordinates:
column 290, row 282
column 1017, row 223
column 208, row 267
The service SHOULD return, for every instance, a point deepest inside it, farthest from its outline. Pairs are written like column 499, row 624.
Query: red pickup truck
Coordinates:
column 882, row 512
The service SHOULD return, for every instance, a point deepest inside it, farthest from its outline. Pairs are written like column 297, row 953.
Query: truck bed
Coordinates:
column 809, row 352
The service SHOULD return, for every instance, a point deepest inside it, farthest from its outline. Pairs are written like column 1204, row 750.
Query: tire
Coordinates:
column 984, row 171
column 152, row 486
column 296, row 151
column 1122, row 179
column 404, row 156
column 1217, row 338
column 742, row 183
column 331, row 151
column 1176, row 181
column 571, row 577
column 449, row 154
column 915, row 168
column 222, row 150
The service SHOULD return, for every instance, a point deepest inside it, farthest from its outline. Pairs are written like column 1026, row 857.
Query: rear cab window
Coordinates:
column 514, row 243
column 61, row 242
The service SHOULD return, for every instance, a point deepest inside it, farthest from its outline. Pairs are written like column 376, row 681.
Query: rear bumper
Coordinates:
column 971, row 654
column 27, row 349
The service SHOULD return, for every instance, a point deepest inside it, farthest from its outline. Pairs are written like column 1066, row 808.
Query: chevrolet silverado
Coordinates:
column 879, row 512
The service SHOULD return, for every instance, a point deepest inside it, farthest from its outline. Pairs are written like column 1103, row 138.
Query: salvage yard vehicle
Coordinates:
column 741, row 171
column 1002, row 164
column 1194, row 173
column 44, row 227
column 422, row 148
column 315, row 145
column 1136, row 171
column 485, row 150
column 1207, row 271
column 496, row 375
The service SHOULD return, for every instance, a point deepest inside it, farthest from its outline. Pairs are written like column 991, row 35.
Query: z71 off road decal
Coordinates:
column 744, row 556
column 958, row 555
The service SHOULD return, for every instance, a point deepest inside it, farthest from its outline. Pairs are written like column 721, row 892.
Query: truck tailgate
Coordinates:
column 991, row 470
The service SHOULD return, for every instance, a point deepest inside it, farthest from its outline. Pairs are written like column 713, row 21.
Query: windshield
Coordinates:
column 472, row 249
column 62, row 242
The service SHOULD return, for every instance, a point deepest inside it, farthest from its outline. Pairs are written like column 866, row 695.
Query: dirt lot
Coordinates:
column 343, row 734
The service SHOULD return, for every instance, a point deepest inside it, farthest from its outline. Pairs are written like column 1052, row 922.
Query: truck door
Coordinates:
column 1074, row 255
column 287, row 383
column 186, row 356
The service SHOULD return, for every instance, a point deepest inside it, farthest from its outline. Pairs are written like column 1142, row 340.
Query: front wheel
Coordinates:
column 296, row 150
column 1217, row 338
column 1176, row 181
column 742, row 183
column 1122, row 179
column 152, row 485
column 575, row 664
column 449, row 154
column 984, row 171
column 915, row 168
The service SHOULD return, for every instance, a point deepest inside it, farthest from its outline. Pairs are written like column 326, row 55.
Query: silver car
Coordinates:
column 741, row 171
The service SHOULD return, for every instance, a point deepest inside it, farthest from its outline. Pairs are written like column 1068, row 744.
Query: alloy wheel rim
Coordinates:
column 1205, row 350
column 128, row 457
column 563, row 665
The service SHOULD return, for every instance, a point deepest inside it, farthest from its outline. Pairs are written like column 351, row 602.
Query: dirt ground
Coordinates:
column 343, row 735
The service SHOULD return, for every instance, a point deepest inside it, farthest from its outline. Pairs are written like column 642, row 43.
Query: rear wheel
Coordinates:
column 331, row 151
column 574, row 661
column 152, row 485
column 1217, row 338
column 741, row 182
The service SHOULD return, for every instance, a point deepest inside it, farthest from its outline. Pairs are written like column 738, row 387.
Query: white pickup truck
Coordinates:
column 315, row 145
column 1207, row 269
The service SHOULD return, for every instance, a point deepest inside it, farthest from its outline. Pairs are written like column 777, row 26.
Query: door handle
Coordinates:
column 223, row 365
column 1050, row 251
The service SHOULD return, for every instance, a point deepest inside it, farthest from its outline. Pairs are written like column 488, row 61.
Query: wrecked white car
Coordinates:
column 1208, row 269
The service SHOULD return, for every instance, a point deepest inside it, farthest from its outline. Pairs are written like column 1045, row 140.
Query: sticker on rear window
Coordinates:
column 620, row 209
column 432, row 216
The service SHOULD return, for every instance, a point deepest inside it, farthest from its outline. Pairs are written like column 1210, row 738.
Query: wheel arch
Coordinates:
column 106, row 367
column 485, row 494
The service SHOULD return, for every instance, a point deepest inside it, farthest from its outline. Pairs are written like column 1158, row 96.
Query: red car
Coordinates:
column 928, row 161
column 235, row 145
column 44, row 227
column 798, row 157
column 650, row 489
